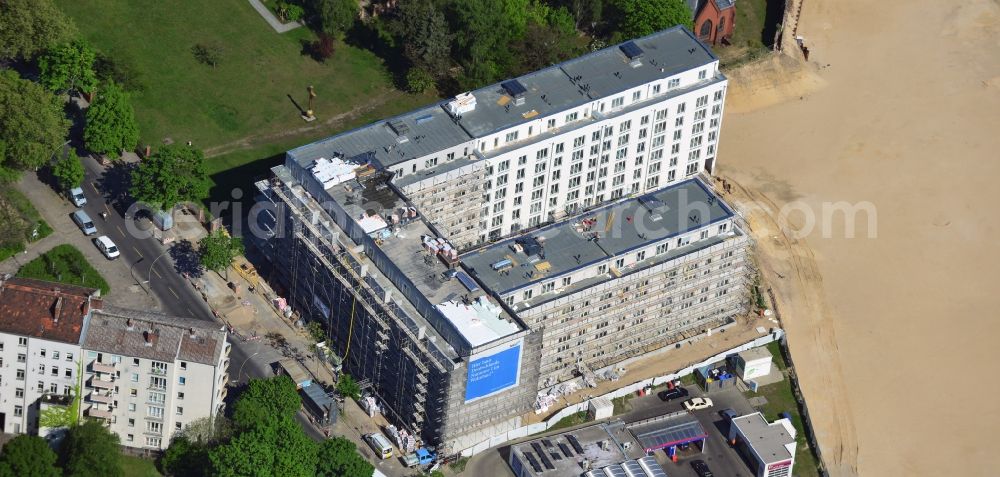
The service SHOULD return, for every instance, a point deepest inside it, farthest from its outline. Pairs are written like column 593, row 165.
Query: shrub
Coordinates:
column 322, row 48
column 418, row 80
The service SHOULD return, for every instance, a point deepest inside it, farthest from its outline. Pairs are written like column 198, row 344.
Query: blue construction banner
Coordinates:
column 493, row 371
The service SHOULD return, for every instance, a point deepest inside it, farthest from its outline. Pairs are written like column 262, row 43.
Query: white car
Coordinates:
column 107, row 247
column 697, row 403
column 76, row 195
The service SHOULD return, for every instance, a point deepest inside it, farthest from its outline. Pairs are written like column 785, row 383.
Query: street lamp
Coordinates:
column 55, row 151
column 149, row 275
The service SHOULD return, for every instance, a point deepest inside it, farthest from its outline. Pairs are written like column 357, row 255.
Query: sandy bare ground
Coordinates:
column 894, row 336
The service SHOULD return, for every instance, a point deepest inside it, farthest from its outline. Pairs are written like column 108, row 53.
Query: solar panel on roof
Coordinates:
column 533, row 462
column 547, row 443
column 631, row 50
column 555, row 456
column 546, row 462
column 575, row 443
column 565, row 450
column 538, row 448
column 514, row 88
column 467, row 281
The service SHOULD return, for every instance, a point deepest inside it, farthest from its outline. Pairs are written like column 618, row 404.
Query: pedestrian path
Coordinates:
column 273, row 20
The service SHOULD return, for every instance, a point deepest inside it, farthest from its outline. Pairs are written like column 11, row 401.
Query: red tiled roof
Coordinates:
column 40, row 309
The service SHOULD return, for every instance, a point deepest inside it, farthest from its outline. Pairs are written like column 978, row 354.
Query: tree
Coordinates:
column 28, row 456
column 339, row 457
column 68, row 171
column 207, row 53
column 69, row 67
column 335, row 17
column 278, row 448
column 172, row 175
column 289, row 12
column 418, row 80
column 266, row 399
column 322, row 48
column 550, row 38
column 642, row 17
column 185, row 458
column 217, row 250
column 425, row 38
column 348, row 387
column 90, row 450
column 486, row 29
column 111, row 126
column 30, row 27
column 315, row 330
column 32, row 124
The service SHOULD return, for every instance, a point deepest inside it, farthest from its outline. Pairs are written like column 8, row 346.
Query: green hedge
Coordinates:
column 64, row 264
column 25, row 214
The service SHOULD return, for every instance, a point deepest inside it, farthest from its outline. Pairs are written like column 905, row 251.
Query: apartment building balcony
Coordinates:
column 53, row 399
column 103, row 398
column 158, row 371
column 98, row 367
column 99, row 383
column 99, row 413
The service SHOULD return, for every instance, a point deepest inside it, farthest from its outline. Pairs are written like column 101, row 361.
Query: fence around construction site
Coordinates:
column 524, row 431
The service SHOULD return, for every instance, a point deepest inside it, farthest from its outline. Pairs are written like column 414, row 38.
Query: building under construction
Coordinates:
column 471, row 255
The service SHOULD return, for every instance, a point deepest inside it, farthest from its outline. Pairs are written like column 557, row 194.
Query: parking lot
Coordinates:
column 720, row 457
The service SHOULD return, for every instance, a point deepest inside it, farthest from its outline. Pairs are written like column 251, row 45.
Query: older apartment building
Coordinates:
column 145, row 375
column 469, row 254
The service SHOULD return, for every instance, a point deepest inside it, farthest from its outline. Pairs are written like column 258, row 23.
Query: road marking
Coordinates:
column 107, row 208
column 120, row 230
column 157, row 273
column 92, row 186
column 190, row 312
column 175, row 293
column 137, row 251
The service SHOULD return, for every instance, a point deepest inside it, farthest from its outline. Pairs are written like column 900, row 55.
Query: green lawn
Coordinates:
column 16, row 207
column 64, row 264
column 139, row 467
column 571, row 420
column 747, row 41
column 246, row 94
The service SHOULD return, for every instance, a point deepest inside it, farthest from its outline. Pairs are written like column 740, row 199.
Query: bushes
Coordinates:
column 19, row 223
column 64, row 264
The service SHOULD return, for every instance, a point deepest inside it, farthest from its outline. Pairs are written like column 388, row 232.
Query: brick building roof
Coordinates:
column 148, row 335
column 45, row 310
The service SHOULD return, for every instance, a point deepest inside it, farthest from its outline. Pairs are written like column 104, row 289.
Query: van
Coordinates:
column 76, row 195
column 380, row 444
column 83, row 221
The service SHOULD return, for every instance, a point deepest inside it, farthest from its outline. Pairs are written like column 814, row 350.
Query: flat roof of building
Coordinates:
column 598, row 235
column 769, row 440
column 581, row 80
column 601, row 445
column 760, row 352
column 388, row 142
column 46, row 310
column 667, row 430
column 557, row 88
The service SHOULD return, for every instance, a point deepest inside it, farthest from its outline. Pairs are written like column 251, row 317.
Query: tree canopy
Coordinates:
column 32, row 125
column 69, row 67
column 217, row 250
column 643, row 17
column 428, row 38
column 111, row 126
column 91, row 450
column 266, row 399
column 30, row 27
column 348, row 387
column 335, row 17
column 28, row 456
column 68, row 171
column 339, row 457
column 172, row 175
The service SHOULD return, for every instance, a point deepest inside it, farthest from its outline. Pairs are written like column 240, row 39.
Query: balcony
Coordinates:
column 99, row 413
column 103, row 398
column 98, row 367
column 158, row 371
column 56, row 399
column 100, row 383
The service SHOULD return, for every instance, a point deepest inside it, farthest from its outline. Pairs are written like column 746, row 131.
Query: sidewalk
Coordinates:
column 273, row 20
column 56, row 210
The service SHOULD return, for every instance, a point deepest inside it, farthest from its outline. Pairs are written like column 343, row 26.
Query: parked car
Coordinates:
column 701, row 468
column 697, row 403
column 83, row 221
column 671, row 394
column 107, row 247
column 76, row 195
column 728, row 414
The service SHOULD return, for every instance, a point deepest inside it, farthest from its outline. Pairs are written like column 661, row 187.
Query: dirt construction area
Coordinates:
column 895, row 119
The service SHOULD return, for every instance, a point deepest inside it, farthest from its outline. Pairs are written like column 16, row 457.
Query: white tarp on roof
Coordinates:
column 331, row 172
column 479, row 321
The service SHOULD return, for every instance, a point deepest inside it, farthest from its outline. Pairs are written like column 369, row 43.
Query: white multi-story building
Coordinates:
column 148, row 375
column 145, row 375
column 479, row 251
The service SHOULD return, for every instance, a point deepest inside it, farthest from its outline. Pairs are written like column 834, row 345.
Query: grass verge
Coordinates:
column 571, row 420
column 781, row 398
column 16, row 207
column 138, row 467
column 64, row 264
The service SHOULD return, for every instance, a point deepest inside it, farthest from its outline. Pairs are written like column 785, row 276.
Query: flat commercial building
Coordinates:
column 771, row 446
column 467, row 255
column 144, row 375
column 601, row 450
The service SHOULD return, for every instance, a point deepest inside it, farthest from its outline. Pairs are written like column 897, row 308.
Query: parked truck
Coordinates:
column 421, row 458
